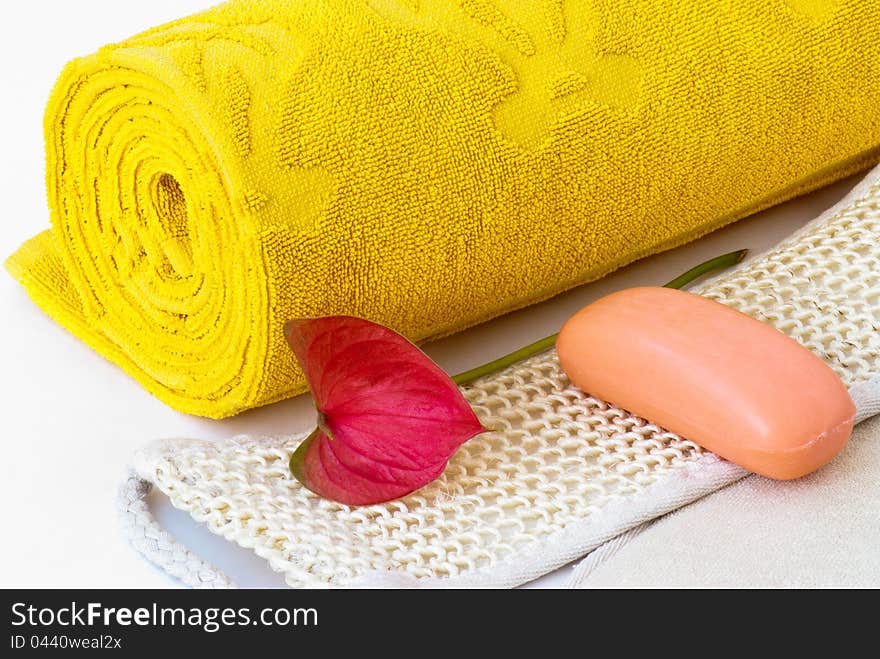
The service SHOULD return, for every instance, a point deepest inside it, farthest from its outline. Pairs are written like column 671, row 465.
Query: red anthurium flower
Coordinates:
column 389, row 418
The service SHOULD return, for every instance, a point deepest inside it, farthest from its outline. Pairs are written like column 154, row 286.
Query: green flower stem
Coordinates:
column 718, row 263
column 712, row 265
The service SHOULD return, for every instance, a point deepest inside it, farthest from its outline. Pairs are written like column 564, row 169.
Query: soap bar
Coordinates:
column 711, row 374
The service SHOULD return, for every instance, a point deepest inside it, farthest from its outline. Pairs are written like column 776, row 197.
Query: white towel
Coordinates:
column 822, row 530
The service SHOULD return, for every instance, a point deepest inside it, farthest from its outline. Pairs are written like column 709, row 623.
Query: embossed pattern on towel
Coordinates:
column 427, row 164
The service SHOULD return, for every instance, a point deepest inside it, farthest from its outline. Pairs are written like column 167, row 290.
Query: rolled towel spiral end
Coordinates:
column 149, row 236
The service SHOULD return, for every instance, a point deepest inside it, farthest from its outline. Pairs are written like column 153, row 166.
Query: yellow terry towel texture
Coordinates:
column 427, row 164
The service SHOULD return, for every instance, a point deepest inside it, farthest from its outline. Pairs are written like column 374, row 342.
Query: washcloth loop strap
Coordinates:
column 159, row 547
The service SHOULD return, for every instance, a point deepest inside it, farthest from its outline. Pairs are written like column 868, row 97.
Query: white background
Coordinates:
column 70, row 420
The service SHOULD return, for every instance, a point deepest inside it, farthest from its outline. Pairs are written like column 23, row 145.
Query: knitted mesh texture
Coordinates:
column 559, row 461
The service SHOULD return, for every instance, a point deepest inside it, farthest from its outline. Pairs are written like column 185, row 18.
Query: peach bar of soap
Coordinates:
column 711, row 374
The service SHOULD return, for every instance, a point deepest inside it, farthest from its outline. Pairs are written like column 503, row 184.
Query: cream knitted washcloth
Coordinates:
column 565, row 474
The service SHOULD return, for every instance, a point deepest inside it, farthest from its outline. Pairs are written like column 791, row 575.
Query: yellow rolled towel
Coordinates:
column 427, row 164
